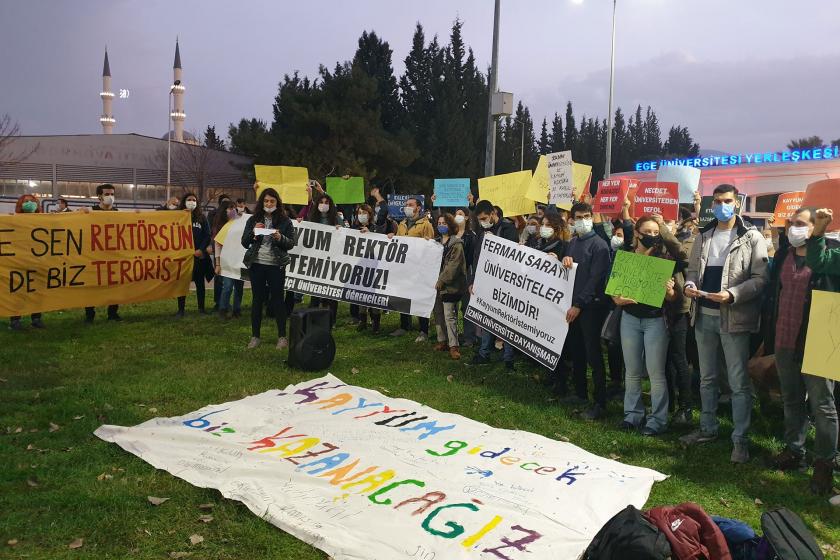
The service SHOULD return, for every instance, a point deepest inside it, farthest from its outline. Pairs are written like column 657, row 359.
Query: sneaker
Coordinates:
column 787, row 460
column 16, row 325
column 38, row 324
column 455, row 353
column 509, row 365
column 399, row 332
column 647, row 431
column 740, row 453
column 468, row 344
column 595, row 412
column 626, row 426
column 697, row 436
column 683, row 417
column 422, row 337
column 114, row 317
column 442, row 347
column 254, row 342
column 282, row 343
column 823, row 478
column 479, row 360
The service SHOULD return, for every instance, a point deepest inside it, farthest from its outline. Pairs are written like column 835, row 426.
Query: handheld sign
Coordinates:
column 822, row 342
column 452, row 193
column 581, row 177
column 825, row 194
column 289, row 182
column 786, row 205
column 397, row 201
column 560, row 180
column 654, row 197
column 346, row 191
column 639, row 277
column 508, row 192
column 610, row 197
column 706, row 213
column 538, row 187
column 687, row 177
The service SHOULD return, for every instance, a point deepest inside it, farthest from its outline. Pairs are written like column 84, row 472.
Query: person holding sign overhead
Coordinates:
column 644, row 332
column 266, row 257
column 791, row 285
column 726, row 274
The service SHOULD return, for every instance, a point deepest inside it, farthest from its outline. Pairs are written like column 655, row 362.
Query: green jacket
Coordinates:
column 453, row 268
column 821, row 259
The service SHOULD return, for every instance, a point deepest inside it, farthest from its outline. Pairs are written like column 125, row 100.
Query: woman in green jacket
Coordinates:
column 451, row 285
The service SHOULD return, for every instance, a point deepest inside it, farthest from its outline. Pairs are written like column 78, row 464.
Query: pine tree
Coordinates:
column 557, row 143
column 211, row 140
column 653, row 136
column 805, row 143
column 680, row 144
column 374, row 57
column 544, row 144
column 251, row 137
column 570, row 134
column 620, row 158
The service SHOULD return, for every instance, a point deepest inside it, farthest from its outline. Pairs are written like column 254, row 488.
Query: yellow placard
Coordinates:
column 822, row 343
column 75, row 259
column 222, row 235
column 508, row 192
column 538, row 187
column 581, row 176
column 289, row 182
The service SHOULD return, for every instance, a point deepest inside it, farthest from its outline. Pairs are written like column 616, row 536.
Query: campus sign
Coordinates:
column 792, row 156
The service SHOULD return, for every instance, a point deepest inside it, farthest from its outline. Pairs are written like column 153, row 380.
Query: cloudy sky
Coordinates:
column 743, row 75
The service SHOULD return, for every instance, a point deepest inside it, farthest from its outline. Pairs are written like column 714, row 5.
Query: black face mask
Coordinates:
column 650, row 240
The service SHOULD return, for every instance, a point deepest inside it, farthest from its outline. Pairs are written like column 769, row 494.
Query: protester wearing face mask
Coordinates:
column 531, row 233
column 415, row 225
column 551, row 236
column 644, row 334
column 792, row 281
column 451, row 285
column 325, row 213
column 224, row 202
column 365, row 223
column 727, row 274
column 106, row 194
column 588, row 311
column 467, row 235
column 489, row 224
column 27, row 204
column 241, row 207
column 227, row 212
column 201, row 257
column 266, row 257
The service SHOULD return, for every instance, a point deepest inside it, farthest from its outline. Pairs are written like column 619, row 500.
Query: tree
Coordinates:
column 652, row 146
column 570, row 134
column 544, row 143
column 835, row 143
column 805, row 143
column 680, row 144
column 211, row 140
column 620, row 158
column 9, row 154
column 374, row 58
column 556, row 142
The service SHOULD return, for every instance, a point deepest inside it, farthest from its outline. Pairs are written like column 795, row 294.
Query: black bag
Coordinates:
column 628, row 536
column 611, row 330
column 788, row 537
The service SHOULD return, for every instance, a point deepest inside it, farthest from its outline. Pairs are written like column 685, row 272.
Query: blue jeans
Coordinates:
column 736, row 348
column 230, row 285
column 644, row 343
column 487, row 341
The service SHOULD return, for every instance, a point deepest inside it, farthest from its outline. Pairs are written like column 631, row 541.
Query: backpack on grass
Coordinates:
column 787, row 537
column 628, row 535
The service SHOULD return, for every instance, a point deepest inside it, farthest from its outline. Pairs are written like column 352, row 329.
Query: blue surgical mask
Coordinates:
column 723, row 212
column 443, row 230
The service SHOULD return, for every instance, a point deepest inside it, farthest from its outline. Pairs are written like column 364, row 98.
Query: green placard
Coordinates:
column 639, row 277
column 346, row 191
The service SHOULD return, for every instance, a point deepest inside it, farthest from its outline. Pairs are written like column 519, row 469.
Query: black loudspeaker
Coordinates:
column 311, row 345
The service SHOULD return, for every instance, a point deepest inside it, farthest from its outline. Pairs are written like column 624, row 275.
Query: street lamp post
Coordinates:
column 610, row 110
column 490, row 152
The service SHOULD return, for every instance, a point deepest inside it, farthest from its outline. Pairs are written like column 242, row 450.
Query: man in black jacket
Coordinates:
column 589, row 307
column 490, row 224
column 106, row 194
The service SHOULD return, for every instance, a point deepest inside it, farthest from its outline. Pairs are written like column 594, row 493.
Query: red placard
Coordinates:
column 657, row 198
column 825, row 194
column 610, row 197
column 786, row 205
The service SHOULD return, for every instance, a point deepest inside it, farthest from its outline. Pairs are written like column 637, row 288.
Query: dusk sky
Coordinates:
column 744, row 75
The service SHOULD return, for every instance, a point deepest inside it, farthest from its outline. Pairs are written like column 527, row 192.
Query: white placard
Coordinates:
column 561, row 189
column 264, row 231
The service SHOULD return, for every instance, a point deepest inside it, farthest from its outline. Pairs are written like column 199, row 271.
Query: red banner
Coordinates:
column 610, row 197
column 657, row 198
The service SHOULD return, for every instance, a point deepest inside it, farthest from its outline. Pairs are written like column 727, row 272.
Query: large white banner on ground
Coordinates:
column 522, row 295
column 361, row 475
column 397, row 274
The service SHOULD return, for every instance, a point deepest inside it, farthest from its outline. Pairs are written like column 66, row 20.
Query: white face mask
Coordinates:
column 798, row 235
column 546, row 231
column 616, row 242
column 108, row 199
column 190, row 204
column 269, row 209
column 486, row 224
column 459, row 219
column 323, row 208
column 363, row 219
column 531, row 229
column 582, row 227
column 172, row 206
column 240, row 210
column 340, row 217
column 409, row 211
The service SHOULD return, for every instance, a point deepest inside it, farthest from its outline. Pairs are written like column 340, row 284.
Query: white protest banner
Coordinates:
column 561, row 190
column 364, row 476
column 230, row 237
column 522, row 295
column 397, row 274
column 687, row 177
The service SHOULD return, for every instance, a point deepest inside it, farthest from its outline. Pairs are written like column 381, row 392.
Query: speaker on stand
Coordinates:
column 311, row 345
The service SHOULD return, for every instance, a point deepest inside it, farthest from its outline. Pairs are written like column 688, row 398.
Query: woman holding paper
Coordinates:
column 267, row 238
column 644, row 333
column 203, row 247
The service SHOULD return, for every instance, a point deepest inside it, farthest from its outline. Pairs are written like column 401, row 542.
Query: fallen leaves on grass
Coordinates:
column 156, row 501
column 4, row 380
column 78, row 543
column 179, row 554
column 723, row 502
column 79, row 417
column 32, row 482
column 54, row 427
column 18, row 430
column 11, row 542
column 196, row 539
column 615, row 457
column 758, row 502
column 449, row 378
column 153, row 410
column 561, row 437
column 206, row 507
column 206, row 518
column 104, row 476
column 354, row 370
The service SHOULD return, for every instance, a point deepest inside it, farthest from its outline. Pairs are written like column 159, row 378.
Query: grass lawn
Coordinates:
column 58, row 386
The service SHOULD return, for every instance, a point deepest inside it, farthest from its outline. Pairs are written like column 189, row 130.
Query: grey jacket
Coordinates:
column 745, row 276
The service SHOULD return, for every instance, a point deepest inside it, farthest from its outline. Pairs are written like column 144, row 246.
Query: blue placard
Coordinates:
column 397, row 201
column 452, row 193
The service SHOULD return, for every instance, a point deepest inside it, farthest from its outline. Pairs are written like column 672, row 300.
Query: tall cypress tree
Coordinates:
column 653, row 136
column 570, row 133
column 557, row 142
column 544, row 143
column 373, row 56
